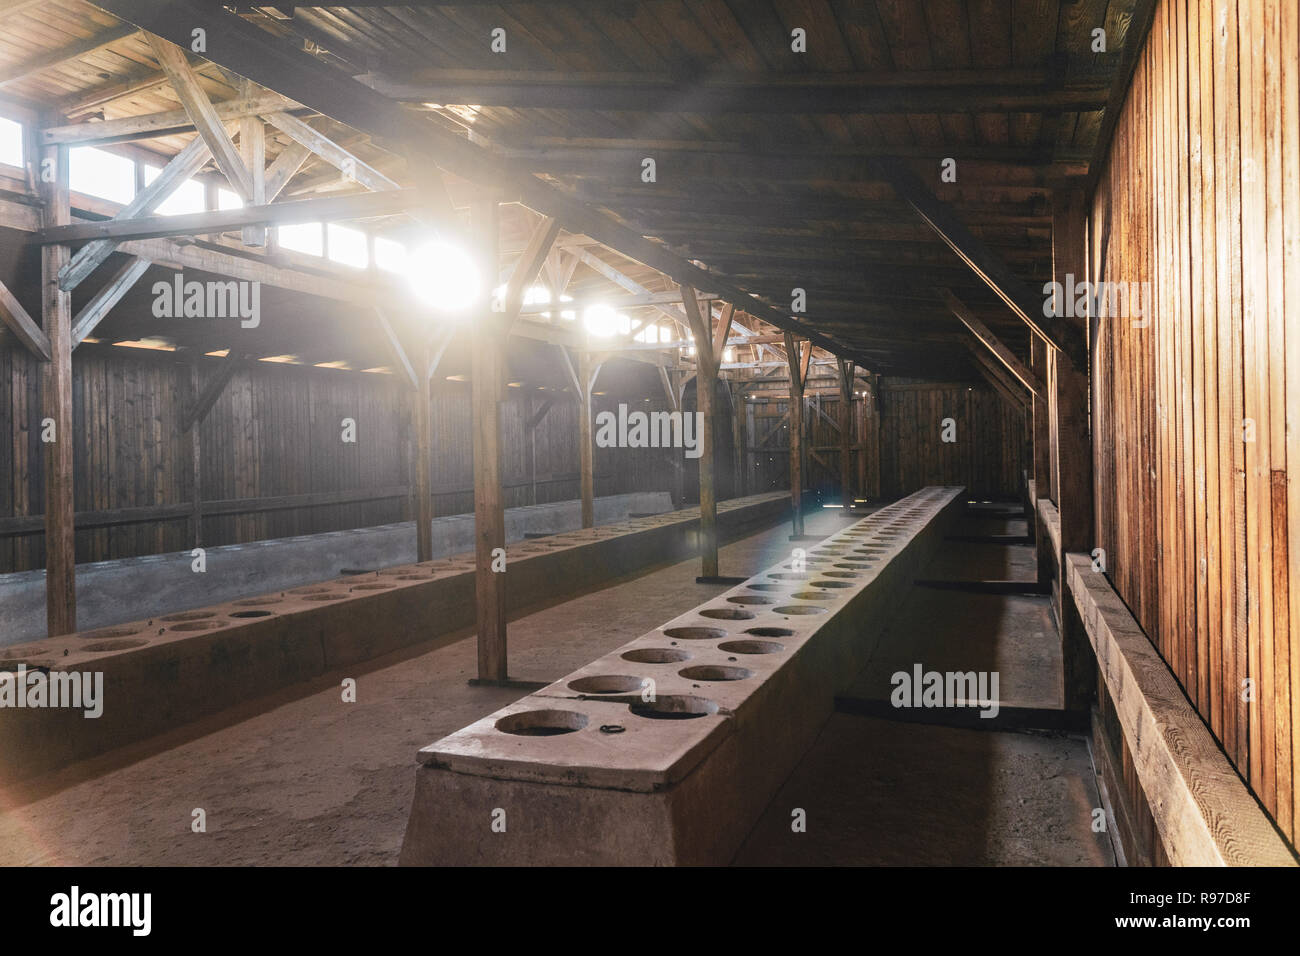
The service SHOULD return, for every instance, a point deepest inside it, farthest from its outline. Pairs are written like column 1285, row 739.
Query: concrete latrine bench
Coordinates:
column 167, row 671
column 666, row 750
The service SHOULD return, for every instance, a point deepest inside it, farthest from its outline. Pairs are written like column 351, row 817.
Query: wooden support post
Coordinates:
column 423, row 459
column 861, row 415
column 736, row 394
column 56, row 404
column 708, row 352
column 672, row 382
column 489, row 503
column 585, row 450
column 846, row 432
column 1042, row 468
column 751, row 437
column 252, row 150
column 196, row 462
column 798, row 368
column 1073, row 450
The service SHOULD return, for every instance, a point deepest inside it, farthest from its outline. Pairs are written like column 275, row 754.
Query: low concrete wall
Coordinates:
column 667, row 750
column 113, row 592
column 163, row 672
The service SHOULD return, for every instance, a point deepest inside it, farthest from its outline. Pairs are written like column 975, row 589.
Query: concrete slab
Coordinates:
column 161, row 673
column 824, row 617
column 115, row 592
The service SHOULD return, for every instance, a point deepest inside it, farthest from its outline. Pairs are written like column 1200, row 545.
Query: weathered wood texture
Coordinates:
column 1197, row 503
column 274, row 431
column 987, row 457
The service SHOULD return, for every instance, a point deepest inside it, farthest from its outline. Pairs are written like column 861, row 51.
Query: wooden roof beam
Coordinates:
column 154, row 125
column 986, row 263
column 202, row 114
column 283, row 67
column 819, row 94
column 16, row 319
column 327, row 209
column 181, row 167
column 995, row 345
column 527, row 268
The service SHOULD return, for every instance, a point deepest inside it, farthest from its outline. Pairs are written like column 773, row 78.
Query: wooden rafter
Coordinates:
column 17, row 320
column 325, row 209
column 995, row 345
column 202, row 114
column 181, row 167
column 983, row 261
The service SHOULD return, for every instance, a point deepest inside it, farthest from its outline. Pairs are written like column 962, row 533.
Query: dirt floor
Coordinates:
column 306, row 779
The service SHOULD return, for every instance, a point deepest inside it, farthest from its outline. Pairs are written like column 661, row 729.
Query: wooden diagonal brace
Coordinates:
column 995, row 345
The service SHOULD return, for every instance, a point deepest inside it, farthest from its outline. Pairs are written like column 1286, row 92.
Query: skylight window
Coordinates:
column 11, row 142
column 348, row 246
column 305, row 237
column 187, row 198
column 390, row 255
column 94, row 172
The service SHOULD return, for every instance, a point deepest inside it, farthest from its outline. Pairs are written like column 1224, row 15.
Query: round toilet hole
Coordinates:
column 696, row 633
column 189, row 616
column 607, row 684
column 655, row 655
column 768, row 632
column 674, row 707
column 797, row 609
column 251, row 614
column 107, row 633
column 708, row 672
column 103, row 646
column 727, row 614
column 542, row 723
column 751, row 599
column 751, row 647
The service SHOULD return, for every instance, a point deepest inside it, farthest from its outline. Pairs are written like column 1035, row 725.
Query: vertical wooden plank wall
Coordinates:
column 987, row 456
column 1197, row 508
column 276, row 430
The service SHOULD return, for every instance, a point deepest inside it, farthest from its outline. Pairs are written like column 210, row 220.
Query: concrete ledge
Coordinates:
column 1051, row 519
column 1203, row 811
column 113, row 592
column 160, row 673
column 667, row 750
